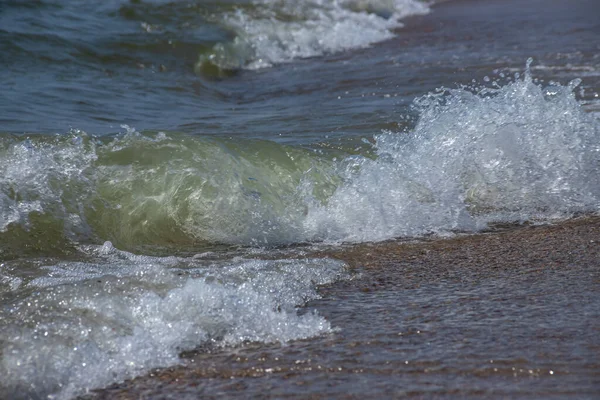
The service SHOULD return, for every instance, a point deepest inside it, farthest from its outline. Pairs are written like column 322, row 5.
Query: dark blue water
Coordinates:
column 96, row 66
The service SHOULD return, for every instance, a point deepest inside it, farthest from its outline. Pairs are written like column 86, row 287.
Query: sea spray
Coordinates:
column 476, row 156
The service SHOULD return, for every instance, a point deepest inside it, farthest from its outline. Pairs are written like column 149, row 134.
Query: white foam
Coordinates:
column 516, row 153
column 90, row 324
column 276, row 31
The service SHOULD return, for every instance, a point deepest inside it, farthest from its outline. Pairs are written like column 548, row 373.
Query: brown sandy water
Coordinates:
column 514, row 314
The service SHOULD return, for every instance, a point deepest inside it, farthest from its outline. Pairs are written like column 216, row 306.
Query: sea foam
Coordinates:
column 275, row 31
column 84, row 325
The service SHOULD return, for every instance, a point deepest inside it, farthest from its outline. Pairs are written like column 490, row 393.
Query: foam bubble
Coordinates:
column 90, row 324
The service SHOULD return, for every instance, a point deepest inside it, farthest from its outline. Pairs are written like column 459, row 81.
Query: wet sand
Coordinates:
column 512, row 314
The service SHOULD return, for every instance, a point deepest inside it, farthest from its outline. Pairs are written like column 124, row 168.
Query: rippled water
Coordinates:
column 158, row 159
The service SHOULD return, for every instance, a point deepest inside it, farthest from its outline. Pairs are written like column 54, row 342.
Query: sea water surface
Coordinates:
column 159, row 159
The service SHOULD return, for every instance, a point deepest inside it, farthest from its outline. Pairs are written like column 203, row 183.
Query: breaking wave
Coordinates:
column 509, row 153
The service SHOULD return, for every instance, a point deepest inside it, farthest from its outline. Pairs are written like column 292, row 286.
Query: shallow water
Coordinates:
column 160, row 162
column 512, row 314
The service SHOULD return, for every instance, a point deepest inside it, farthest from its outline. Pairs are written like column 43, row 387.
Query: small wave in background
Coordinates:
column 176, row 65
column 274, row 31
